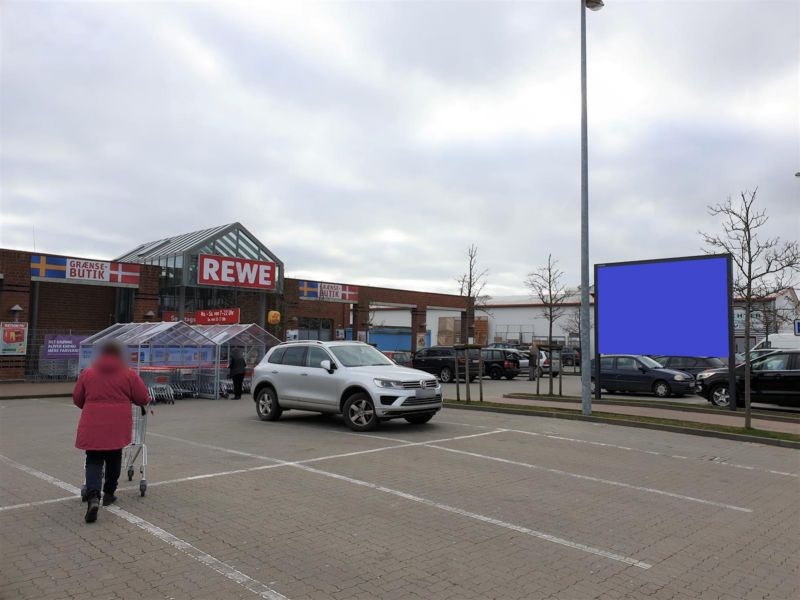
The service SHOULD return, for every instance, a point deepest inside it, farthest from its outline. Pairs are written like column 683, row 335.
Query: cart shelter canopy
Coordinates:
column 244, row 335
column 165, row 344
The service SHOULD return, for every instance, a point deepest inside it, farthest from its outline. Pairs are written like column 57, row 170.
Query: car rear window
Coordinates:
column 277, row 356
column 294, row 356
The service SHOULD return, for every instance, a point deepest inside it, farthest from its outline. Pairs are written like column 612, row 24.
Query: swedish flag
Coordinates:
column 50, row 267
column 309, row 290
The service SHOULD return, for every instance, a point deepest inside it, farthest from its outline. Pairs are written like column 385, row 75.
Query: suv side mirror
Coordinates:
column 643, row 369
column 327, row 365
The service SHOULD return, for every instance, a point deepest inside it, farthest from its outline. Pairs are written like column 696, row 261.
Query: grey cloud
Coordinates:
column 112, row 137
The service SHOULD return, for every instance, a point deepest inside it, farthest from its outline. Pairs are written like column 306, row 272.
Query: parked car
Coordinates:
column 779, row 341
column 348, row 378
column 774, row 379
column 499, row 363
column 401, row 357
column 503, row 345
column 638, row 373
column 544, row 364
column 524, row 359
column 689, row 364
column 441, row 361
column 570, row 357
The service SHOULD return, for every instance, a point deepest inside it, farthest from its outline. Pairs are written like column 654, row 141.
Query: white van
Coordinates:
column 782, row 341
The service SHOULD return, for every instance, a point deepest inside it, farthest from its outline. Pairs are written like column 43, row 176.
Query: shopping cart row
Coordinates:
column 167, row 393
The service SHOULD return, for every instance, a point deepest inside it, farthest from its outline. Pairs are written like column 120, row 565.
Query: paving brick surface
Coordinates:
column 373, row 520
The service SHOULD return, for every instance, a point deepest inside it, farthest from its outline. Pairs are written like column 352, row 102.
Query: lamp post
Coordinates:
column 586, row 382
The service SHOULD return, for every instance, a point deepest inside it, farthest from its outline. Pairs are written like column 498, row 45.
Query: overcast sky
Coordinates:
column 372, row 143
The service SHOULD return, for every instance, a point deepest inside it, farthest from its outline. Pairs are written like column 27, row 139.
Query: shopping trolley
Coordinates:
column 137, row 449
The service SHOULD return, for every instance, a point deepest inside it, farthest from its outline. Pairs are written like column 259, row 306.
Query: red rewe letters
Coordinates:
column 235, row 272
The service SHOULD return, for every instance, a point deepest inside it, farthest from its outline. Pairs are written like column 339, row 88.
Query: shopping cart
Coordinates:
column 137, row 448
column 133, row 451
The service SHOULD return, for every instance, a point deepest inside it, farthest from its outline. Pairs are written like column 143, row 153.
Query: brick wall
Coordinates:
column 63, row 306
column 147, row 298
column 14, row 289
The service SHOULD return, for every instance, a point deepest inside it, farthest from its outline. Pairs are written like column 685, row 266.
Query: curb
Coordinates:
column 689, row 408
column 34, row 396
column 626, row 423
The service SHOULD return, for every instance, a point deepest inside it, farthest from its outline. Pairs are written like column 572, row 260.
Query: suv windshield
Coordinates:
column 649, row 362
column 358, row 355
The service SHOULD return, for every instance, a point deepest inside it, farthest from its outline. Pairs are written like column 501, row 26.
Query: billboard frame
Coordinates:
column 731, row 337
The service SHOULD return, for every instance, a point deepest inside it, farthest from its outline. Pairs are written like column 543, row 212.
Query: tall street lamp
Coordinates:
column 586, row 382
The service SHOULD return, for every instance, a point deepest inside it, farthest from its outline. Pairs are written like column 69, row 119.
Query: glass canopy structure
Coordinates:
column 179, row 290
column 164, row 354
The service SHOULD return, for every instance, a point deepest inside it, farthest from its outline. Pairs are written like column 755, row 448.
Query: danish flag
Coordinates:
column 124, row 273
column 350, row 293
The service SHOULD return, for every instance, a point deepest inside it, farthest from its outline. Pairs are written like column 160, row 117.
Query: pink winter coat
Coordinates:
column 104, row 393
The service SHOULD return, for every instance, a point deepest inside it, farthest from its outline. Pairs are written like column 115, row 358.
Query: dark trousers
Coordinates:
column 237, row 384
column 95, row 461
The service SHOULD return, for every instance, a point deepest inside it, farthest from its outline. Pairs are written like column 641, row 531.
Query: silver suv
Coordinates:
column 348, row 378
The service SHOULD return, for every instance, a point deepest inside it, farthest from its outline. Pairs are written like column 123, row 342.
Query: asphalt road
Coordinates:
column 469, row 506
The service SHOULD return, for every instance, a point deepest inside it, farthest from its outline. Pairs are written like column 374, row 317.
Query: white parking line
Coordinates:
column 220, row 567
column 483, row 518
column 629, row 449
column 594, row 479
column 273, row 465
column 39, row 502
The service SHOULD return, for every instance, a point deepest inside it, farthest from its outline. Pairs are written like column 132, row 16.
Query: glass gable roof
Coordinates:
column 226, row 240
column 175, row 333
column 238, row 335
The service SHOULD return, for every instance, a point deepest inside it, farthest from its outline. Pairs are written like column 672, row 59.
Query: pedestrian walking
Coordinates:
column 533, row 362
column 104, row 393
column 236, row 368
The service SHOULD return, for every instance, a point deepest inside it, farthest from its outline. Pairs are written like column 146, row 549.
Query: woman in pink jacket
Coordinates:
column 104, row 394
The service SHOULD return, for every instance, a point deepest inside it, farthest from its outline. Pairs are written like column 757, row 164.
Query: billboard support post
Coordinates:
column 731, row 341
column 596, row 373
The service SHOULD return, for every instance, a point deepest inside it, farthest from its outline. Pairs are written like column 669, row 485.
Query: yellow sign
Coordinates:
column 273, row 317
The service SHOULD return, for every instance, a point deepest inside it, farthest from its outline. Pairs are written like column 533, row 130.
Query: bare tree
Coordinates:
column 775, row 317
column 763, row 266
column 472, row 285
column 546, row 284
column 573, row 326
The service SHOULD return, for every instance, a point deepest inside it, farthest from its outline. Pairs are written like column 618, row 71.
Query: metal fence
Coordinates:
column 54, row 354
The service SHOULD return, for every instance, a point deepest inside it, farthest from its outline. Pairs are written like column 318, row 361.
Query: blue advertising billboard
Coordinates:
column 676, row 307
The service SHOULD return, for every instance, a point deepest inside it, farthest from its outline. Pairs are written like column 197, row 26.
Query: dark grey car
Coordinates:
column 690, row 364
column 638, row 373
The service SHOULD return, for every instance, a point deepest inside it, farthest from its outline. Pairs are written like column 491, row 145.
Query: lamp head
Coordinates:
column 594, row 4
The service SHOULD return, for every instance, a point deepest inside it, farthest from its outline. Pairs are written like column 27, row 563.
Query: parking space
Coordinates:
column 472, row 505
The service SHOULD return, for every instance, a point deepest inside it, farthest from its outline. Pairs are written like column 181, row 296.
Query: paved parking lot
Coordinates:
column 472, row 505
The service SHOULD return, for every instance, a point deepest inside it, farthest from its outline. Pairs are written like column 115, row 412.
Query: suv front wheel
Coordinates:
column 446, row 375
column 359, row 413
column 267, row 405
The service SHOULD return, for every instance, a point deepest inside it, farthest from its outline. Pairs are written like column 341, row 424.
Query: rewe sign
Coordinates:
column 235, row 272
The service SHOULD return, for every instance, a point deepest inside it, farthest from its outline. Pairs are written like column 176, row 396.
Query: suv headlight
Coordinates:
column 681, row 377
column 389, row 383
column 703, row 375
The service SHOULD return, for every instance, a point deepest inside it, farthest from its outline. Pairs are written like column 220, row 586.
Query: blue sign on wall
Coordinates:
column 797, row 327
column 676, row 307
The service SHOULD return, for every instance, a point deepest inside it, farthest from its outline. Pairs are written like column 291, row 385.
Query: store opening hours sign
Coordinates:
column 206, row 316
column 217, row 316
column 235, row 272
